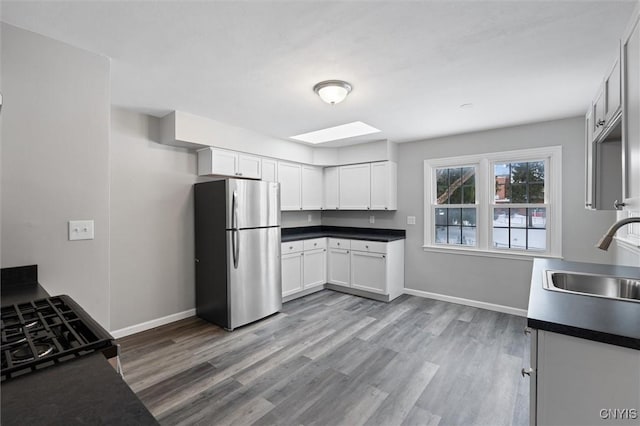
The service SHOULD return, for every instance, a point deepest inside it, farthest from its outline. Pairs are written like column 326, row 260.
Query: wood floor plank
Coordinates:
column 337, row 359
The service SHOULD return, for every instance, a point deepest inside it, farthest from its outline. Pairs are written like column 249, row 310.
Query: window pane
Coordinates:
column 501, row 173
column 501, row 217
column 455, row 234
column 441, row 235
column 442, row 183
column 518, row 238
column 469, row 217
column 454, row 217
column 441, row 217
column 500, row 237
column 537, row 239
column 518, row 218
column 537, row 218
column 456, row 185
column 468, row 236
column 521, row 182
column 536, row 193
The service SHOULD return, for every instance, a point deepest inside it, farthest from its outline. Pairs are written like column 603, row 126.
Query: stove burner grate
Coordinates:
column 43, row 332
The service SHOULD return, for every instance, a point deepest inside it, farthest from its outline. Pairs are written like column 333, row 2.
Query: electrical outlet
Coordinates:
column 411, row 220
column 80, row 230
column 309, row 217
column 372, row 219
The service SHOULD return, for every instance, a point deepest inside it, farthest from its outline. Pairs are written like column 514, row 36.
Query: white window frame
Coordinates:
column 485, row 201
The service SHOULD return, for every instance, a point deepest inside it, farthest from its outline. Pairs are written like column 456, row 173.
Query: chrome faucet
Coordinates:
column 605, row 241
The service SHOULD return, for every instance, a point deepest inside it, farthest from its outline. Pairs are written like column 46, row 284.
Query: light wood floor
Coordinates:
column 336, row 359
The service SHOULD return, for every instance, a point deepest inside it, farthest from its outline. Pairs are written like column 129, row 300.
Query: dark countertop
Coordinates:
column 367, row 234
column 18, row 293
column 594, row 318
column 86, row 390
column 83, row 391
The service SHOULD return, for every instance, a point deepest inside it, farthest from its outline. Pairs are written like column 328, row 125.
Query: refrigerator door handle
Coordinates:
column 234, row 229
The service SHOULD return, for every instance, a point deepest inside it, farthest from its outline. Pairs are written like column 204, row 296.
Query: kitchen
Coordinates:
column 86, row 142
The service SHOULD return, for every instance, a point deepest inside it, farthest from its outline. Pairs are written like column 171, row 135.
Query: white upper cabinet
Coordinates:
column 331, row 188
column 355, row 187
column 220, row 162
column 290, row 178
column 613, row 91
column 269, row 170
column 384, row 186
column 631, row 111
column 312, row 185
column 249, row 166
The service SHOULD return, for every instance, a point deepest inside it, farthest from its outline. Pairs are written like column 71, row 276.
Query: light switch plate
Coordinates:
column 80, row 230
column 411, row 220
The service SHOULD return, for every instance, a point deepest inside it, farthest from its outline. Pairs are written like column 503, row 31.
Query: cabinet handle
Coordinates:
column 386, row 208
column 290, row 247
column 301, row 254
column 239, row 174
column 384, row 257
column 315, row 244
column 338, row 243
column 619, row 204
column 368, row 208
column 526, row 371
column 601, row 123
column 336, row 208
column 527, row 331
column 587, row 204
column 347, row 251
column 367, row 246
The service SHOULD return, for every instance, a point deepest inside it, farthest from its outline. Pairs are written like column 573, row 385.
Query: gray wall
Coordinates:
column 500, row 281
column 55, row 164
column 293, row 219
column 152, row 237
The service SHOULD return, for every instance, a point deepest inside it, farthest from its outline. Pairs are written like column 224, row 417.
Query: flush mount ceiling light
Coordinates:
column 332, row 91
column 344, row 131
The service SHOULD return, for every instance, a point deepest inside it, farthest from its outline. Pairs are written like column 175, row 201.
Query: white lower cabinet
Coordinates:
column 339, row 267
column 291, row 273
column 582, row 382
column 367, row 268
column 368, row 271
column 315, row 268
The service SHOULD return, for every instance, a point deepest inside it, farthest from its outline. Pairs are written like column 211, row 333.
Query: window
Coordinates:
column 500, row 203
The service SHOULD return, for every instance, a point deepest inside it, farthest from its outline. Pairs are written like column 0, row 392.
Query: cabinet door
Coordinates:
column 289, row 176
column 613, row 91
column 355, row 187
column 249, row 166
column 599, row 121
column 314, row 268
column 291, row 273
column 223, row 162
column 269, row 170
column 578, row 378
column 369, row 271
column 589, row 176
column 631, row 138
column 339, row 267
column 312, row 188
column 330, row 177
column 383, row 186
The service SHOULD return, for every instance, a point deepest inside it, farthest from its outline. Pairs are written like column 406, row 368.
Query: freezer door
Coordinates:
column 252, row 204
column 255, row 284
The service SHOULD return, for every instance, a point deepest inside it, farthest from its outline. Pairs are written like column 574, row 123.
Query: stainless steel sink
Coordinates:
column 593, row 285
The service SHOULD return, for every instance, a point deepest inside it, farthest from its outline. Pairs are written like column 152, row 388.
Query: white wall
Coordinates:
column 498, row 281
column 152, row 236
column 55, row 164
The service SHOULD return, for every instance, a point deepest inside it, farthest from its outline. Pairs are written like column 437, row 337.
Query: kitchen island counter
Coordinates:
column 616, row 322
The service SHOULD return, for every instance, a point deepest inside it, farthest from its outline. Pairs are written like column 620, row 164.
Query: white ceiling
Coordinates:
column 253, row 64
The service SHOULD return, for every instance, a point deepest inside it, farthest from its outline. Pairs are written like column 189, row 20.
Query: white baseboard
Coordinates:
column 148, row 325
column 468, row 302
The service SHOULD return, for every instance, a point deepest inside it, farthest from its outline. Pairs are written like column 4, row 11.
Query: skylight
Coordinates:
column 344, row 131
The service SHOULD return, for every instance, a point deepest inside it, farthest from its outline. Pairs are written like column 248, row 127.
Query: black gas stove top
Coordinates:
column 45, row 332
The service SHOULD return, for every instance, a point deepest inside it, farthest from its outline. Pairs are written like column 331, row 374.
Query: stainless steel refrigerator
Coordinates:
column 237, row 233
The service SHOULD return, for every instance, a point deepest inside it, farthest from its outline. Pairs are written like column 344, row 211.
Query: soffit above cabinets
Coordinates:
column 412, row 64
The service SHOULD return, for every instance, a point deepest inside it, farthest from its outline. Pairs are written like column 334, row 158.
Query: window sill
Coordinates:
column 489, row 253
column 627, row 244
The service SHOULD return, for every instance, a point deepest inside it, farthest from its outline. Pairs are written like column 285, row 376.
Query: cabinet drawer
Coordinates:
column 315, row 243
column 339, row 243
column 369, row 246
column 292, row 247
